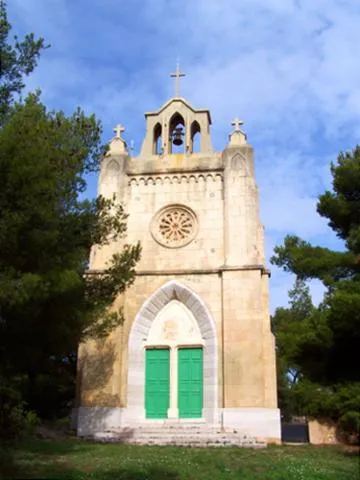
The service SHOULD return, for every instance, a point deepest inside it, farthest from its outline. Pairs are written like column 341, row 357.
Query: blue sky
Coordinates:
column 289, row 68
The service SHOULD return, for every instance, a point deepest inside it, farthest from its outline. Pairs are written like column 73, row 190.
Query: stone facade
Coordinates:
column 201, row 280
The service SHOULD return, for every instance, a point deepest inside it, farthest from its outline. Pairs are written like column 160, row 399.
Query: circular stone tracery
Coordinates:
column 174, row 226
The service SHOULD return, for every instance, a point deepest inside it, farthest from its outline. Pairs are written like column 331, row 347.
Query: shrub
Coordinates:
column 15, row 421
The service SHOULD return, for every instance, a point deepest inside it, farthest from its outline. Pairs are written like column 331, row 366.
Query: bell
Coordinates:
column 177, row 140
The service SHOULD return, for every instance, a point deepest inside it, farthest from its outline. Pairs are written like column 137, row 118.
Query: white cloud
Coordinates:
column 289, row 68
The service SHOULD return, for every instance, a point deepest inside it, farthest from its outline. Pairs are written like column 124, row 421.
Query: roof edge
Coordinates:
column 182, row 100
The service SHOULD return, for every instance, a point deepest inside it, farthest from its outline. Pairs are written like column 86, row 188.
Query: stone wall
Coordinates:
column 322, row 431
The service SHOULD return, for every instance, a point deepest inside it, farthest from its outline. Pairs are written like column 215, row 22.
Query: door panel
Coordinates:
column 157, row 385
column 190, row 386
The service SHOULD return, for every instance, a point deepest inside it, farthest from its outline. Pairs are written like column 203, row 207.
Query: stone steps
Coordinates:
column 192, row 436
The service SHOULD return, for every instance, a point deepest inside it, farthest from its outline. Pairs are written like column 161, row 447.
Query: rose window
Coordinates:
column 174, row 226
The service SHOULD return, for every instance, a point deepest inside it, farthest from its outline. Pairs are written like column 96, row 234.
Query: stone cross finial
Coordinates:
column 177, row 75
column 236, row 123
column 237, row 137
column 119, row 129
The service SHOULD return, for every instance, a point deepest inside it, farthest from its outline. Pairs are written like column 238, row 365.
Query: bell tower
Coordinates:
column 175, row 126
column 198, row 308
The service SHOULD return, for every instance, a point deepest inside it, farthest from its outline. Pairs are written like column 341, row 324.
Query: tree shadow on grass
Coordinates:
column 46, row 459
column 151, row 473
column 63, row 472
column 54, row 447
column 29, row 452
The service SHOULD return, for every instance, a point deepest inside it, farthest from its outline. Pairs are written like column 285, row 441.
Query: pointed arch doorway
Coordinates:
column 172, row 358
column 174, row 364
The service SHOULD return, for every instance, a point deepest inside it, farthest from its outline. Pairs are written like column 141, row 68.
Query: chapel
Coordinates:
column 195, row 345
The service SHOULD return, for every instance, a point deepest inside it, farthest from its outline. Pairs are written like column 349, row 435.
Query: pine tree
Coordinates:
column 48, row 300
column 327, row 350
column 17, row 60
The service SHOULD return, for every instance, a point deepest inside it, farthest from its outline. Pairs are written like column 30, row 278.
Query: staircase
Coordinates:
column 178, row 434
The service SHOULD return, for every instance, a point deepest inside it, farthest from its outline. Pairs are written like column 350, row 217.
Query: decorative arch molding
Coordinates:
column 175, row 119
column 109, row 178
column 239, row 163
column 112, row 167
column 138, row 338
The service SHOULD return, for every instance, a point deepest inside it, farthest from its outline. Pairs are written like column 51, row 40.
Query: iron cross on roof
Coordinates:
column 177, row 75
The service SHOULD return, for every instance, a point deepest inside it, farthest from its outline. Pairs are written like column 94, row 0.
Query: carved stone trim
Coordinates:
column 171, row 179
column 199, row 271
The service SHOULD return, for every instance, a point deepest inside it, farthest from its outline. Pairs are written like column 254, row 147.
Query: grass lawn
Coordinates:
column 75, row 459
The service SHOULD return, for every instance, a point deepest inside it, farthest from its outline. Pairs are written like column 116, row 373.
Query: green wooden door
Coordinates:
column 190, row 388
column 157, row 385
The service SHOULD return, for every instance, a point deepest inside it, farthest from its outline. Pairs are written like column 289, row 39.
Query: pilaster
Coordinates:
column 242, row 245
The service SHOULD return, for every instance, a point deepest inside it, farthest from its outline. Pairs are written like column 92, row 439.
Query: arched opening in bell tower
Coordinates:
column 177, row 134
column 157, row 139
column 195, row 137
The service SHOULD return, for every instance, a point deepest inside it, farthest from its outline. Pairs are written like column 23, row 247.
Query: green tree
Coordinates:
column 48, row 301
column 327, row 350
column 288, row 325
column 17, row 60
